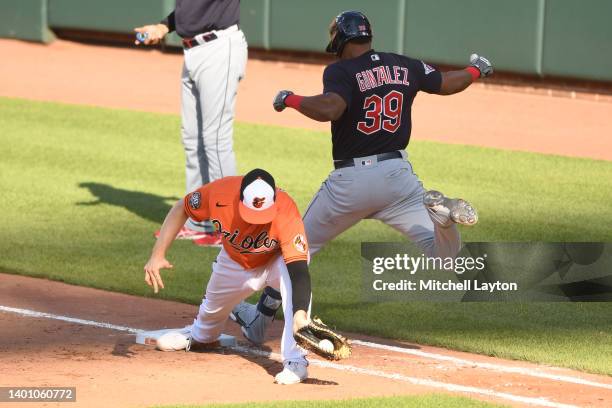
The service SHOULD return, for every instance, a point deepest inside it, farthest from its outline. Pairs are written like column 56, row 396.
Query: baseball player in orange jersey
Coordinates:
column 264, row 244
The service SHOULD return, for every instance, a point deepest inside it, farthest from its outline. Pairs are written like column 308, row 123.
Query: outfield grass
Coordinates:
column 83, row 189
column 419, row 401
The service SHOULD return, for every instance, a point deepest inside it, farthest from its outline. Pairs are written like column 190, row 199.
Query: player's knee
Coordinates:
column 269, row 301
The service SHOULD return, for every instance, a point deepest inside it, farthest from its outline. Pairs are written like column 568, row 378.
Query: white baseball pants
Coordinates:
column 209, row 84
column 230, row 284
column 388, row 191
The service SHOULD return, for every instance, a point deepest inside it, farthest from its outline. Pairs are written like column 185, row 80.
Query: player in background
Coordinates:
column 367, row 96
column 263, row 244
column 215, row 56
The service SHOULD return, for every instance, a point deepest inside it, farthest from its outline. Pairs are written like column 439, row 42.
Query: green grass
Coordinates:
column 419, row 401
column 83, row 189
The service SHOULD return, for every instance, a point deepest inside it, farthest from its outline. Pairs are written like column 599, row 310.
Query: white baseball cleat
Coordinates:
column 172, row 341
column 293, row 373
column 447, row 210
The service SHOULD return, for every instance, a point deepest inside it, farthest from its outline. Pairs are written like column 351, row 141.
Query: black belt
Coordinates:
column 338, row 164
column 191, row 42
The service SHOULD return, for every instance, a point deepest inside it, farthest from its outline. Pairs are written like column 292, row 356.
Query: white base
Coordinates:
column 149, row 338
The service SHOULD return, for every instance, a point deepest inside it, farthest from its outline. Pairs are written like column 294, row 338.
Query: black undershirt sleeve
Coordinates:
column 300, row 285
column 169, row 22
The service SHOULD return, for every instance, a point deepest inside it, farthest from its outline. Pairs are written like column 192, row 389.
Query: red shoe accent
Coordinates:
column 212, row 239
column 186, row 233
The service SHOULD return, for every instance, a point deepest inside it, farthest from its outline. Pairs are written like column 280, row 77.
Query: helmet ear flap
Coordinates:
column 332, row 46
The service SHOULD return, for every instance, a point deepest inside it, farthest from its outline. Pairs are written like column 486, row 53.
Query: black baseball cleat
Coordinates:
column 447, row 210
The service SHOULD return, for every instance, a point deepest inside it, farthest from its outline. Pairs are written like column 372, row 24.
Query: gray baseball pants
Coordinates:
column 209, row 84
column 387, row 191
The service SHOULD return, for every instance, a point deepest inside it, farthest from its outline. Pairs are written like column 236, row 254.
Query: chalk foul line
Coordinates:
column 532, row 372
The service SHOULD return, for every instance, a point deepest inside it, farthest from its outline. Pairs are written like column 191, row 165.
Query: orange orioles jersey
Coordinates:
column 250, row 245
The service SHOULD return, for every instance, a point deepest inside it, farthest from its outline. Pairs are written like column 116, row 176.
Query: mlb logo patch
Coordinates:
column 375, row 57
column 195, row 200
column 366, row 162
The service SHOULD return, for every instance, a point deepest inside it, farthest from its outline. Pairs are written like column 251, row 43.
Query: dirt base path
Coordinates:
column 149, row 80
column 106, row 365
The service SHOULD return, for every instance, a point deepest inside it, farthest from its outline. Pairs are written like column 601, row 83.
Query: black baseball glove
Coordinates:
column 310, row 337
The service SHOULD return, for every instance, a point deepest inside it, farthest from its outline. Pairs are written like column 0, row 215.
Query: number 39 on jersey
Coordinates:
column 382, row 113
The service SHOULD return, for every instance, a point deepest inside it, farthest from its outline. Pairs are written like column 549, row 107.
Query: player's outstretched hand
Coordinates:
column 152, row 276
column 153, row 33
column 279, row 100
column 482, row 64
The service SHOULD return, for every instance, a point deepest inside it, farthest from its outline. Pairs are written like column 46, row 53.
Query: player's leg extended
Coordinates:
column 229, row 284
column 407, row 213
column 219, row 66
column 339, row 204
column 294, row 357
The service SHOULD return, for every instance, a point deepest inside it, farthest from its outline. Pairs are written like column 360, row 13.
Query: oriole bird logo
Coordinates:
column 258, row 202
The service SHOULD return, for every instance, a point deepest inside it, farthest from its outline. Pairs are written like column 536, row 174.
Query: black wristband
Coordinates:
column 300, row 285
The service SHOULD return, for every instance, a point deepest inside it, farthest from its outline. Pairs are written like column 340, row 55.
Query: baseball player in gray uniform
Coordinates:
column 368, row 96
column 215, row 52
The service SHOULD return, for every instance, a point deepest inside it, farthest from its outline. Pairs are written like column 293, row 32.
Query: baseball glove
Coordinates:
column 312, row 337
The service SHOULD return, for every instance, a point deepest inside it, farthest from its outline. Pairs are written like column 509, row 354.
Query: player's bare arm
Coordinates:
column 323, row 108
column 172, row 224
column 457, row 81
column 154, row 33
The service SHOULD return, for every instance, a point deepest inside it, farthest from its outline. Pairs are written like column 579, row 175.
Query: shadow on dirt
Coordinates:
column 122, row 346
column 261, row 355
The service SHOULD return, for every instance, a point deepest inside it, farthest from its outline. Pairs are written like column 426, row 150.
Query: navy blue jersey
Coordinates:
column 378, row 88
column 193, row 17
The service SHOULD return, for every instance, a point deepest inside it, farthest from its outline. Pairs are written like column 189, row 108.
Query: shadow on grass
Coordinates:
column 151, row 207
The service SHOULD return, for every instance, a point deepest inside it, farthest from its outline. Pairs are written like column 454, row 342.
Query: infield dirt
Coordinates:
column 106, row 365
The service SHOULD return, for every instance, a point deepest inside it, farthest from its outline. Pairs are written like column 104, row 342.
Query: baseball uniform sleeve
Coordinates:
column 197, row 205
column 338, row 81
column 293, row 243
column 429, row 78
column 169, row 22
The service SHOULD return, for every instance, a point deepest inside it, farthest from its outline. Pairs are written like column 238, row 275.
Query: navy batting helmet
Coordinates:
column 348, row 25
